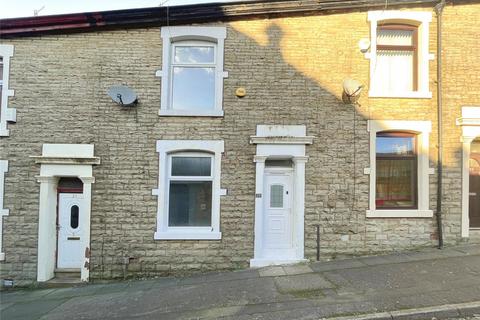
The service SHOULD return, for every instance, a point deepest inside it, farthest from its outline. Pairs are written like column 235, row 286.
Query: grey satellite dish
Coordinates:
column 123, row 95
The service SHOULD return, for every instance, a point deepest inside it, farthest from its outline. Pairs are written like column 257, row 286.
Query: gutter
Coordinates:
column 187, row 14
column 439, row 10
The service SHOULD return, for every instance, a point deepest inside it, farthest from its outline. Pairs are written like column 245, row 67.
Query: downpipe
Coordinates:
column 438, row 11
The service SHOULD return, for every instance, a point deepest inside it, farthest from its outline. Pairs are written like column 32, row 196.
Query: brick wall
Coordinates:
column 292, row 69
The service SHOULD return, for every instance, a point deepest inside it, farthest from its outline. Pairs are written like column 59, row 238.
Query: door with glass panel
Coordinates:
column 278, row 218
column 70, row 230
column 474, row 198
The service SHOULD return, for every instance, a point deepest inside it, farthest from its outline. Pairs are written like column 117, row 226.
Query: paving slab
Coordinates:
column 302, row 282
column 272, row 272
column 337, row 265
column 30, row 310
column 297, row 269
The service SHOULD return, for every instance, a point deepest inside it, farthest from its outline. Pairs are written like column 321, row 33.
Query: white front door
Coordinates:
column 71, row 207
column 278, row 217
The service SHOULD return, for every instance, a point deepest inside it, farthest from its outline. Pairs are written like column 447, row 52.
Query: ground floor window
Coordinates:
column 396, row 170
column 399, row 169
column 189, row 189
column 3, row 212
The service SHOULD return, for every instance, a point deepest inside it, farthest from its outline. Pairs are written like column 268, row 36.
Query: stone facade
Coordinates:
column 292, row 69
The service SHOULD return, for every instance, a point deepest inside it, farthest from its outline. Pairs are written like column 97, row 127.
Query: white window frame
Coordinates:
column 6, row 114
column 422, row 129
column 3, row 212
column 207, row 36
column 422, row 19
column 167, row 148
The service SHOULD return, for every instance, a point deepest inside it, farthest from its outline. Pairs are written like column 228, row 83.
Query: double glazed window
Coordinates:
column 6, row 114
column 3, row 212
column 192, row 74
column 396, row 66
column 396, row 170
column 190, row 190
column 399, row 169
column 399, row 54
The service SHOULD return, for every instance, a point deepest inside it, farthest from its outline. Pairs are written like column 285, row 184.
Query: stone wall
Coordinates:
column 292, row 69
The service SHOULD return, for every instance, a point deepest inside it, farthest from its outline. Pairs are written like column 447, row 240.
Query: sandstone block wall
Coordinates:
column 292, row 69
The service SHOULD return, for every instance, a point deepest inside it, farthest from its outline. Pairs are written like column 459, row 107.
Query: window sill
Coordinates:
column 187, row 236
column 408, row 95
column 190, row 113
column 399, row 213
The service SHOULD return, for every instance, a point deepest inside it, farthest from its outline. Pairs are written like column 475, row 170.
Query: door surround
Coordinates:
column 56, row 161
column 470, row 124
column 280, row 142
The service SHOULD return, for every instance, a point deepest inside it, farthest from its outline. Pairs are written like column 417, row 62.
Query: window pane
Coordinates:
column 191, row 166
column 190, row 204
column 276, row 196
column 193, row 88
column 396, row 183
column 194, row 54
column 394, row 37
column 74, row 217
column 394, row 71
column 391, row 145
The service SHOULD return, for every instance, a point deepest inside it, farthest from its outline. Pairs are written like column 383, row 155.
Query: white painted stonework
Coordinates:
column 280, row 142
column 422, row 129
column 6, row 114
column 57, row 161
column 3, row 212
column 470, row 123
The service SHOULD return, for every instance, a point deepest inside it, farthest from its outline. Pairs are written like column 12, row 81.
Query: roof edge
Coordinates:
column 186, row 14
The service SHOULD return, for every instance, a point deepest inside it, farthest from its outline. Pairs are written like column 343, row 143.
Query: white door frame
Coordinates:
column 470, row 123
column 62, row 160
column 280, row 142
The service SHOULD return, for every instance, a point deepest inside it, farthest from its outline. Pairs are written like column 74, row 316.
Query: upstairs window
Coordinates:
column 396, row 68
column 396, row 171
column 192, row 75
column 6, row 114
column 399, row 54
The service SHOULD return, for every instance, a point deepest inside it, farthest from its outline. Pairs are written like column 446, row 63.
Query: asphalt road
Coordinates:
column 348, row 288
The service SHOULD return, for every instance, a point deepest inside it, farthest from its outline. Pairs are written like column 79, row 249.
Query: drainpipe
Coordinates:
column 439, row 10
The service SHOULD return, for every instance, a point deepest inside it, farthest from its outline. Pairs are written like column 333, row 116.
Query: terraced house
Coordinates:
column 264, row 132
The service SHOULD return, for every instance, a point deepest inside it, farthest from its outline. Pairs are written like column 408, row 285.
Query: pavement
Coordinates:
column 425, row 284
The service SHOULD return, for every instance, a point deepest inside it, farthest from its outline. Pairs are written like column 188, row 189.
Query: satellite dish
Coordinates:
column 364, row 44
column 351, row 90
column 123, row 95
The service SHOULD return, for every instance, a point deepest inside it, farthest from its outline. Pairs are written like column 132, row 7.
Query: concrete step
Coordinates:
column 67, row 274
column 61, row 283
